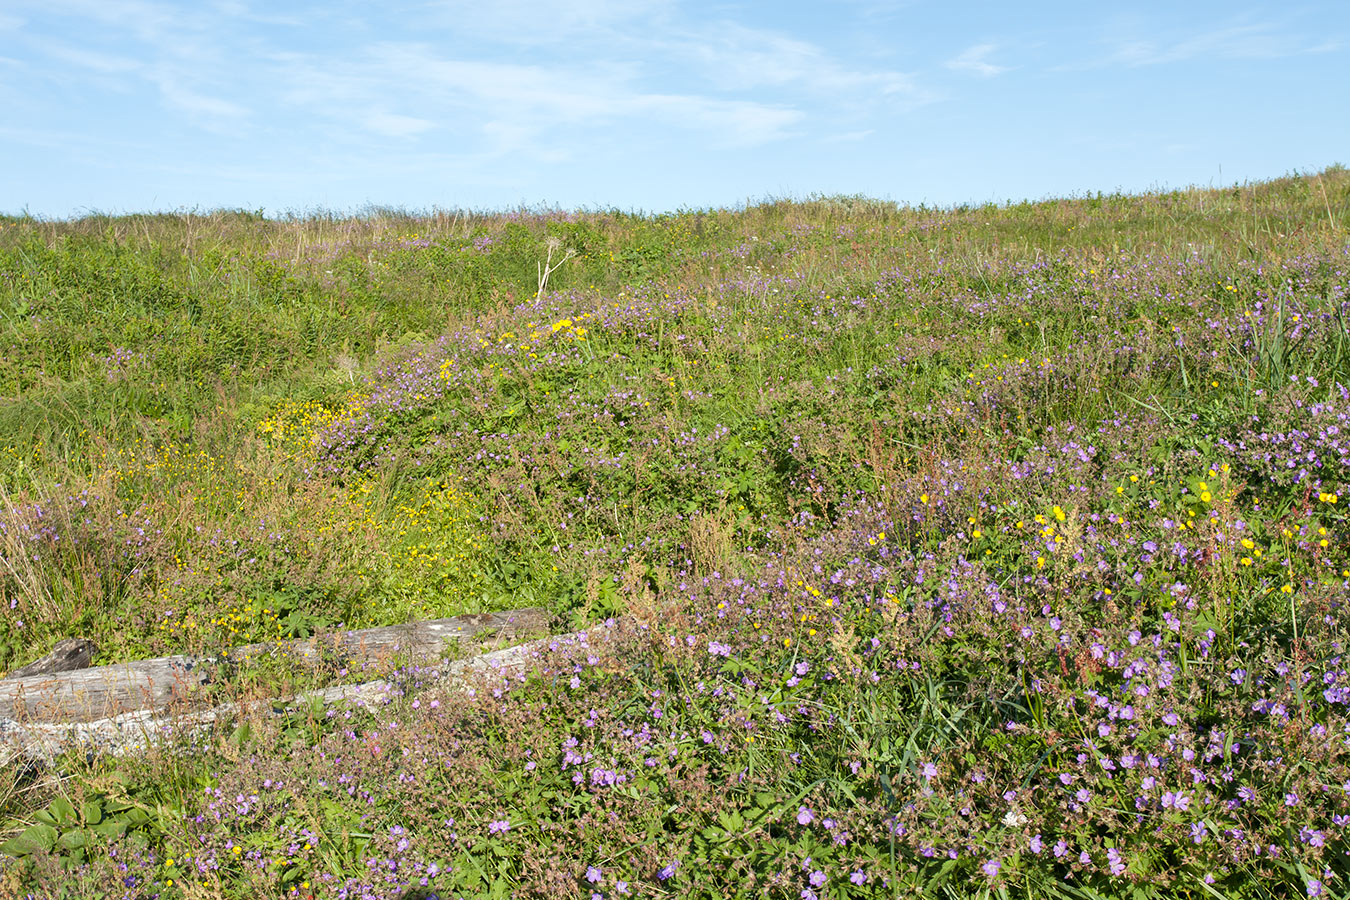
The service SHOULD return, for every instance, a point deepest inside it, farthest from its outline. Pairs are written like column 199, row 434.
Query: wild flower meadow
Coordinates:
column 980, row 552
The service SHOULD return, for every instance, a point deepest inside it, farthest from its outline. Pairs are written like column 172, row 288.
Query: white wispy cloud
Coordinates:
column 166, row 48
column 182, row 29
column 1261, row 40
column 212, row 110
column 105, row 63
column 644, row 61
column 736, row 123
column 976, row 59
column 88, row 148
column 243, row 12
column 513, row 104
column 397, row 126
column 534, row 23
column 848, row 137
column 519, row 83
column 736, row 57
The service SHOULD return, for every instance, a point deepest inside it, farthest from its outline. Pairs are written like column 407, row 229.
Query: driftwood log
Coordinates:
column 66, row 656
column 39, row 743
column 88, row 694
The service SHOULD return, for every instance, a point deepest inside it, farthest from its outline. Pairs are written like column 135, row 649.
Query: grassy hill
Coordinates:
column 989, row 551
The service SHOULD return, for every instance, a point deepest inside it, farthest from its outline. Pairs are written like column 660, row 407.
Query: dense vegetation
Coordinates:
column 966, row 552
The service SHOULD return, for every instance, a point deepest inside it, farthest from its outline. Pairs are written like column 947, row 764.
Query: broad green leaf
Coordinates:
column 35, row 838
column 134, row 817
column 64, row 811
column 72, row 840
column 110, row 829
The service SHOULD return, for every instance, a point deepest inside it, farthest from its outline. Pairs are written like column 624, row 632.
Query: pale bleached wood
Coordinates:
column 418, row 639
column 41, row 742
column 100, row 692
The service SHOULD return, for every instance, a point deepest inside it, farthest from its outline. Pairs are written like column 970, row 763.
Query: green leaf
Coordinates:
column 134, row 817
column 92, row 811
column 35, row 838
column 73, row 840
column 731, row 821
column 110, row 829
column 64, row 811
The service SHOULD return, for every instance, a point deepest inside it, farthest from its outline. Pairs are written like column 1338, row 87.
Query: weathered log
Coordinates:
column 420, row 640
column 66, row 656
column 104, row 691
column 41, row 742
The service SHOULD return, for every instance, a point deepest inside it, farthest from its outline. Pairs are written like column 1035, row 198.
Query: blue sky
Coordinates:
column 653, row 105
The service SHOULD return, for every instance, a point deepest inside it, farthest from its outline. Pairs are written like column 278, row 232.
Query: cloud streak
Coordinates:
column 1246, row 41
column 738, row 58
column 647, row 69
column 976, row 59
column 512, row 105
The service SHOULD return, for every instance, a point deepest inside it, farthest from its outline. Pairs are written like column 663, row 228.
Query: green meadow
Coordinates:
column 989, row 551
